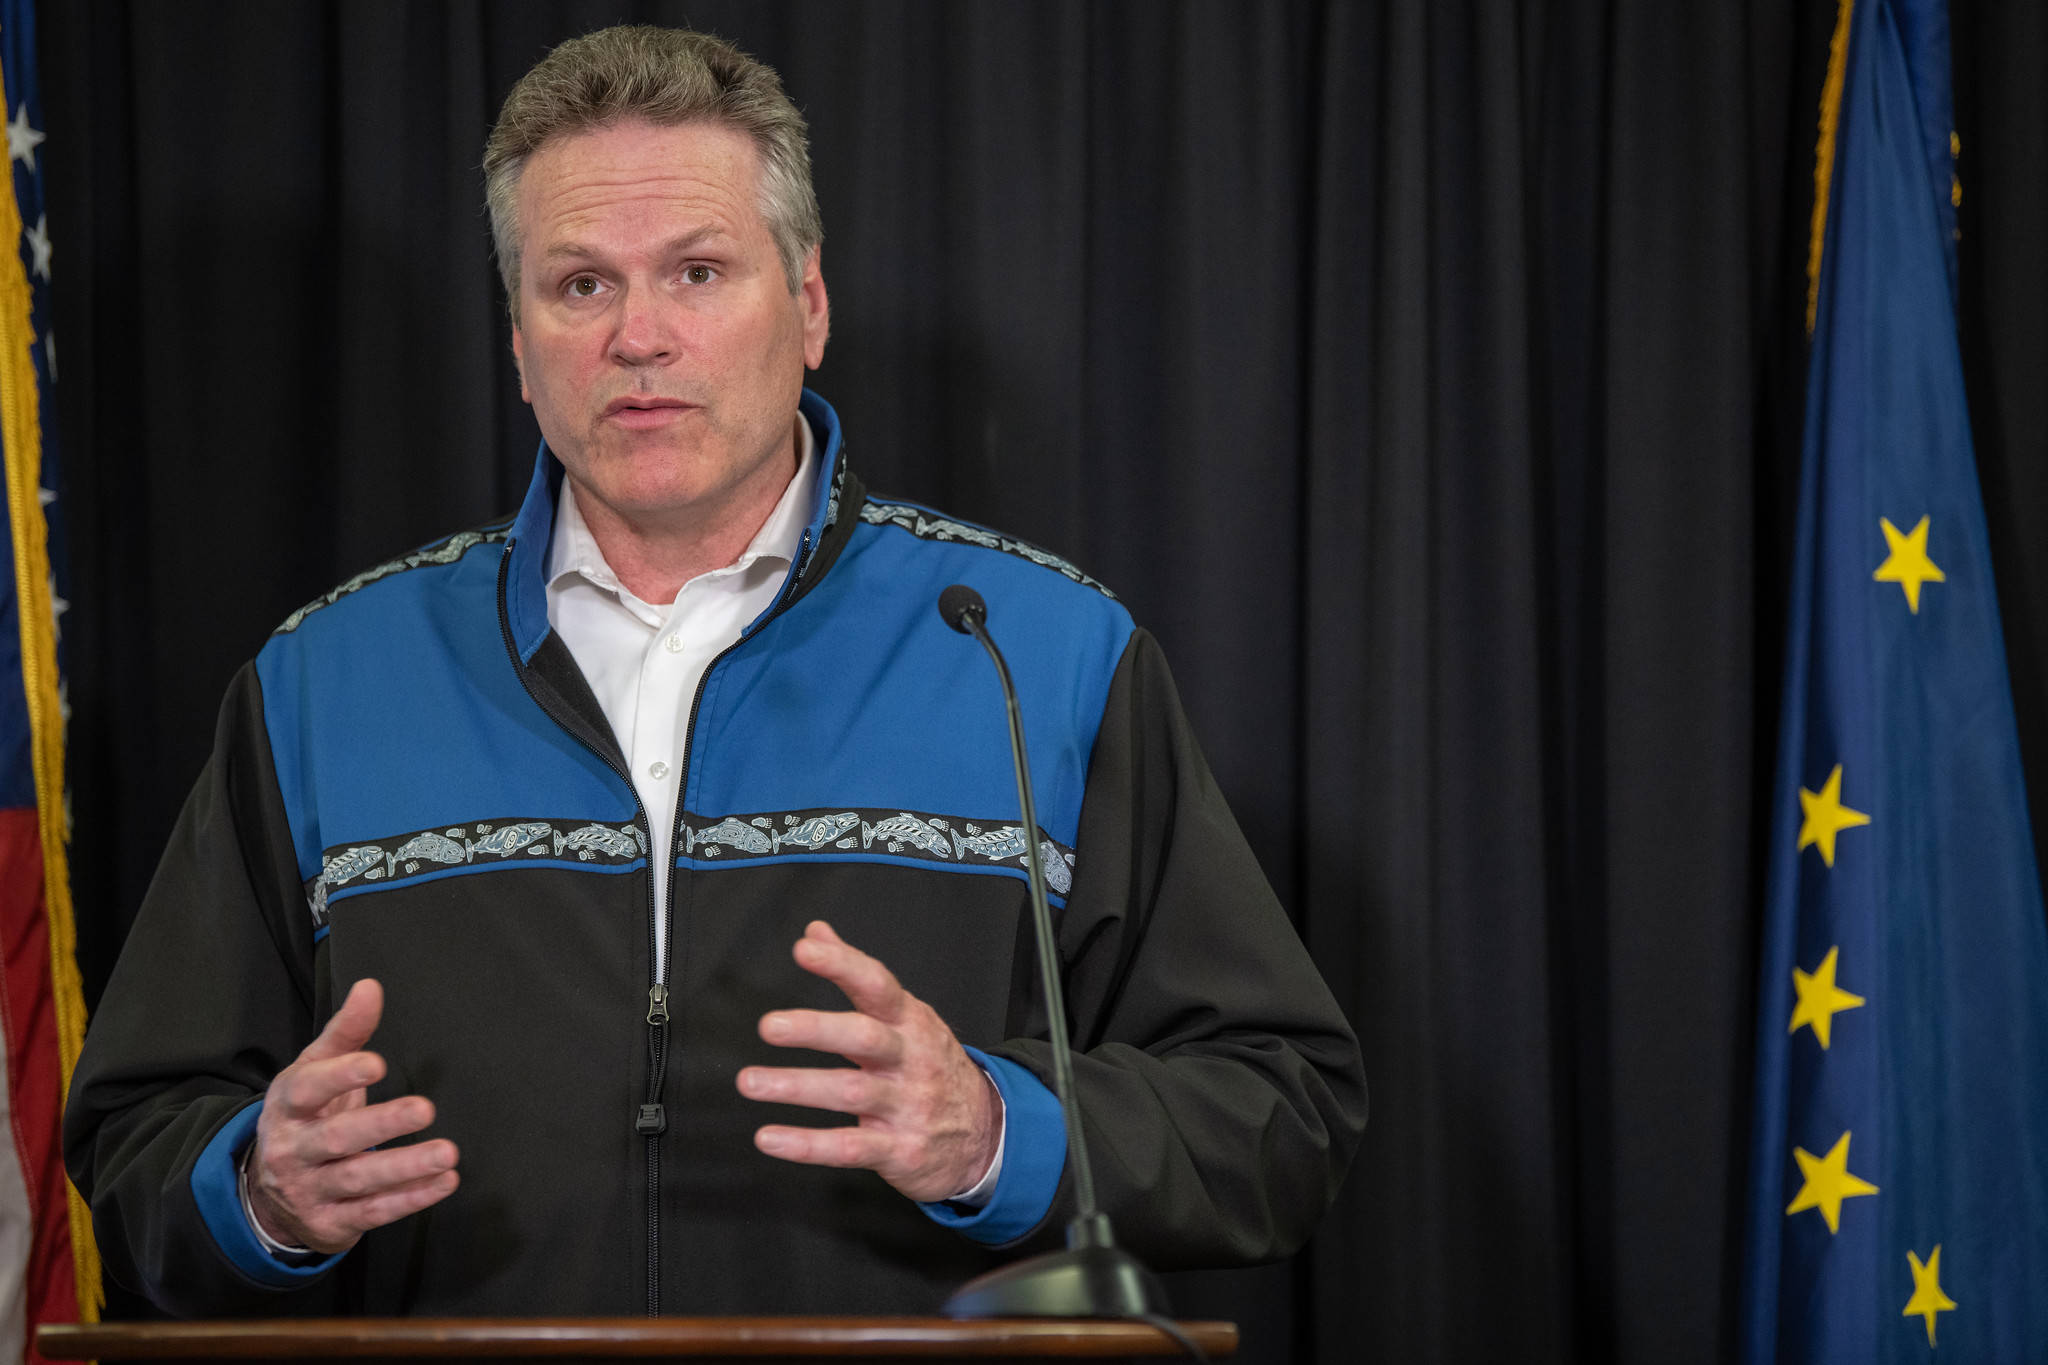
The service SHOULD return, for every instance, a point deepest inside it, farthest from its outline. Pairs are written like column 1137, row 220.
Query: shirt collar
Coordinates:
column 573, row 551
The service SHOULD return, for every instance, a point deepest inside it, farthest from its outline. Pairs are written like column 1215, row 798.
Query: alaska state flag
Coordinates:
column 1899, row 1167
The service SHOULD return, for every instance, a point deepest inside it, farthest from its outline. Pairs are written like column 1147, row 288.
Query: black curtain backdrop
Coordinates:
column 1426, row 375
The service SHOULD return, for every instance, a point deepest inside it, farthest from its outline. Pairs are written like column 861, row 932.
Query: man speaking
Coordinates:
column 622, row 908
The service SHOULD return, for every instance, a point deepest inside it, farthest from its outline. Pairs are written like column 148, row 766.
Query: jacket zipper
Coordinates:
column 649, row 1121
column 652, row 1120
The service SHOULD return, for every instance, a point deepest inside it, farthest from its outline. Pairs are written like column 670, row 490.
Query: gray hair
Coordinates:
column 667, row 77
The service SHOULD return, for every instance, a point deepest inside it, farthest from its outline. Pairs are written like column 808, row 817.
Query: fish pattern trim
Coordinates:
column 901, row 833
column 838, row 486
column 440, row 552
column 930, row 526
column 383, row 861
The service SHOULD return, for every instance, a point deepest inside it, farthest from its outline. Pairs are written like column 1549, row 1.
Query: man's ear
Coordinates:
column 816, row 307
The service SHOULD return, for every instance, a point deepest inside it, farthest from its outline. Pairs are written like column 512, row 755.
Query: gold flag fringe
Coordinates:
column 1824, row 153
column 20, row 424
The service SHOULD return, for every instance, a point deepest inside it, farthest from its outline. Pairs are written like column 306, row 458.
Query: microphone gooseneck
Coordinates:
column 963, row 610
column 1093, row 1277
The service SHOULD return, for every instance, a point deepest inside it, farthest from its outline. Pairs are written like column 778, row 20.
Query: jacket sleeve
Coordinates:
column 213, row 995
column 1220, row 1086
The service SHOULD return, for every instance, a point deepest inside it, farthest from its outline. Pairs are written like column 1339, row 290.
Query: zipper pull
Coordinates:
column 657, row 1005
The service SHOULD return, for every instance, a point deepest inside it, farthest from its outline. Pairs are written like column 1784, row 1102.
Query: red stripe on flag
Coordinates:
column 28, row 1011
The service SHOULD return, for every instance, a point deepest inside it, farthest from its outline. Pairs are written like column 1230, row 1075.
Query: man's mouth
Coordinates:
column 645, row 410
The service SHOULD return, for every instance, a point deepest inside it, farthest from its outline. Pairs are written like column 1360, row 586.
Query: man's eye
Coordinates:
column 583, row 286
column 697, row 274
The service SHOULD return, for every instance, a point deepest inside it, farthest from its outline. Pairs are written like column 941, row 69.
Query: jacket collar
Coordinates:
column 525, row 603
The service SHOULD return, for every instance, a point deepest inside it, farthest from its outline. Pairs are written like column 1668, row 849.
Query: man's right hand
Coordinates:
column 311, row 1180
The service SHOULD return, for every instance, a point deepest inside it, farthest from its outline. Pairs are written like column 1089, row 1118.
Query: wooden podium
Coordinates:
column 755, row 1341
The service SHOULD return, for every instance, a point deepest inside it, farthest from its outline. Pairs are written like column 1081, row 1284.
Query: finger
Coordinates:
column 860, row 1038
column 305, row 1088
column 843, row 1147
column 357, row 1130
column 388, row 1206
column 871, row 987
column 844, row 1090
column 351, row 1025
column 368, row 1174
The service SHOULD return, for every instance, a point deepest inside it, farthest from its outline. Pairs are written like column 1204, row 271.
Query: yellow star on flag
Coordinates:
column 1828, row 1183
column 1908, row 564
column 1826, row 816
column 1819, row 1000
column 1927, row 1297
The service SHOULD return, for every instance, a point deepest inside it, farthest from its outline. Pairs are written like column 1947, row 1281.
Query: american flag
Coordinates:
column 49, row 1271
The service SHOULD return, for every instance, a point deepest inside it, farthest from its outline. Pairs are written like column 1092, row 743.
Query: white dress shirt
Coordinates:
column 643, row 660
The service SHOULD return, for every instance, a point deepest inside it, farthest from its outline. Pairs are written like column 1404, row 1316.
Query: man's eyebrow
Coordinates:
column 577, row 251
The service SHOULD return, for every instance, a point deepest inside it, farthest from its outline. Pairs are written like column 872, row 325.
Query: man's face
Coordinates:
column 658, row 341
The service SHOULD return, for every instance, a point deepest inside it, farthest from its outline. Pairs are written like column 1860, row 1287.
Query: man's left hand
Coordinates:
column 929, row 1116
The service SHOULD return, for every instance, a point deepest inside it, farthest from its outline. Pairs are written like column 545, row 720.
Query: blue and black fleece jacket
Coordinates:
column 412, row 782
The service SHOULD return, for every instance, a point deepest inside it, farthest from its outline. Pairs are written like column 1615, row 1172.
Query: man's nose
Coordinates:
column 646, row 332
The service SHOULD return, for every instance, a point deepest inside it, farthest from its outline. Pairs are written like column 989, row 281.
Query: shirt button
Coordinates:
column 674, row 644
column 657, row 770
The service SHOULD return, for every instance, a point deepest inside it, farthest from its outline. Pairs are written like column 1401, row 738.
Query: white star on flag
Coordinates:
column 58, row 606
column 38, row 238
column 22, row 140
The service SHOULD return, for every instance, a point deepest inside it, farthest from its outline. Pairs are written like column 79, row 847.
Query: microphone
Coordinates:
column 1093, row 1277
column 960, row 602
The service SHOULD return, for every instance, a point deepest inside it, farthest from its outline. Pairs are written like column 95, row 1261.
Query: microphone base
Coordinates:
column 1080, row 1282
